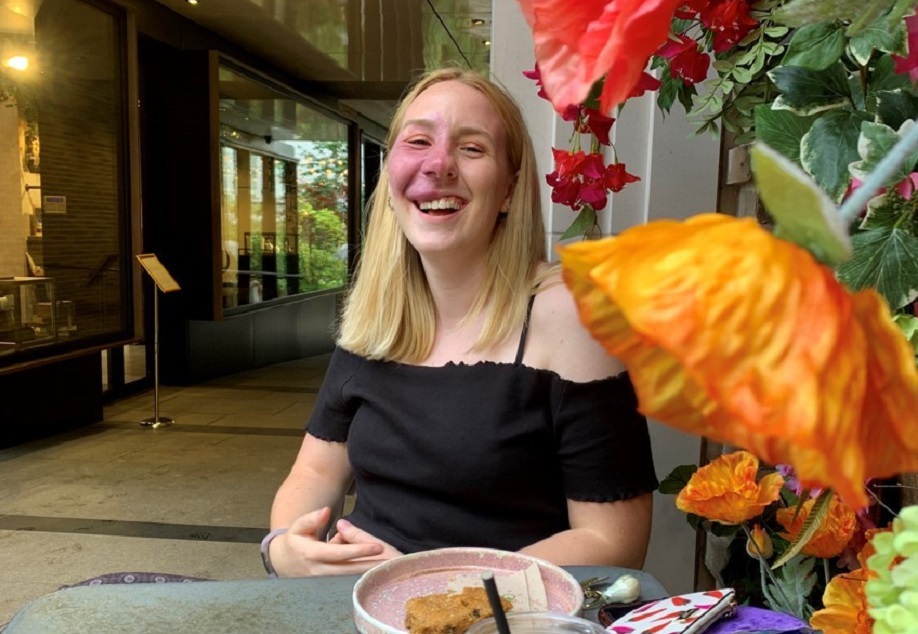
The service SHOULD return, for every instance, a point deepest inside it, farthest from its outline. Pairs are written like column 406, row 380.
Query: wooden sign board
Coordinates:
column 161, row 277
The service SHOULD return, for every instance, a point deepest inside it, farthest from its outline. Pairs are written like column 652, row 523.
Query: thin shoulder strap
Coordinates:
column 522, row 346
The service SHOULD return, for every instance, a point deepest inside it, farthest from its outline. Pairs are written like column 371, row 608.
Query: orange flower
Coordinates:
column 759, row 544
column 725, row 490
column 845, row 604
column 832, row 535
column 579, row 41
column 733, row 334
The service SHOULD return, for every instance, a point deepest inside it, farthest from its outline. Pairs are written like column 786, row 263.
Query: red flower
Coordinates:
column 691, row 8
column 597, row 124
column 579, row 41
column 616, row 177
column 686, row 60
column 536, row 76
column 730, row 22
column 645, row 83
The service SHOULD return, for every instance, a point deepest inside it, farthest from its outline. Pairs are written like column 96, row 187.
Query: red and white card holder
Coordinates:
column 683, row 614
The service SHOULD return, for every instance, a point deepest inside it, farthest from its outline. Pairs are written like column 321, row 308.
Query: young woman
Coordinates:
column 465, row 398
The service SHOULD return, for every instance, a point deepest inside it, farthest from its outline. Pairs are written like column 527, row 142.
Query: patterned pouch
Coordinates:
column 684, row 614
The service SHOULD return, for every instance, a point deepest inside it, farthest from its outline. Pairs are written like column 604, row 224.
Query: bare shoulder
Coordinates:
column 558, row 340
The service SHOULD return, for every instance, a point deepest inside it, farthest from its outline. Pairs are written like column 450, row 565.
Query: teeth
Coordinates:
column 442, row 203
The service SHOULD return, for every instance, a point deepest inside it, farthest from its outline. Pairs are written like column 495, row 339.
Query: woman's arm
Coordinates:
column 601, row 534
column 317, row 482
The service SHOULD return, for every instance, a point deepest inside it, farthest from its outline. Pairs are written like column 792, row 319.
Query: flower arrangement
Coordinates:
column 797, row 345
column 760, row 517
column 828, row 85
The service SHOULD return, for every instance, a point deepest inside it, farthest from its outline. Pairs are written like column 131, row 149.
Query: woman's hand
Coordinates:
column 350, row 534
column 303, row 552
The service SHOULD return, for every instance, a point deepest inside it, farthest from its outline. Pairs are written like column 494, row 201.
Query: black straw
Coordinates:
column 494, row 599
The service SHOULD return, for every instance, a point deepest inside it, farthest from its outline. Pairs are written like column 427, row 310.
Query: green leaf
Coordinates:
column 877, row 37
column 776, row 31
column 582, row 225
column 908, row 324
column 830, row 147
column 792, row 587
column 782, row 130
column 816, row 46
column 874, row 143
column 887, row 211
column 895, row 107
column 886, row 259
column 810, row 526
column 801, row 12
column 806, row 91
column 803, row 213
column 885, row 77
column 677, row 479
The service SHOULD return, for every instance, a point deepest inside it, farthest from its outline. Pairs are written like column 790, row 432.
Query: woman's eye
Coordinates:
column 418, row 142
column 473, row 149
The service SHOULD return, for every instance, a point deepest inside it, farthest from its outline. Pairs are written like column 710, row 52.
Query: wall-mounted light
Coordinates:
column 478, row 22
column 192, row 2
column 17, row 62
column 487, row 42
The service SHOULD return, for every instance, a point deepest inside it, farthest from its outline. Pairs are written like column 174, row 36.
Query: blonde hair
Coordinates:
column 389, row 312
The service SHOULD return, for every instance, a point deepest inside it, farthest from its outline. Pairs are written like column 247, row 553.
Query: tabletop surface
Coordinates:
column 317, row 604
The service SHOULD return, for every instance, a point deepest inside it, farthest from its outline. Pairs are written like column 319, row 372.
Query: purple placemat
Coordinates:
column 749, row 620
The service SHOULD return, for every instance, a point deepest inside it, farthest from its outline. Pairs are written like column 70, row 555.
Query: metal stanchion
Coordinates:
column 157, row 420
column 163, row 282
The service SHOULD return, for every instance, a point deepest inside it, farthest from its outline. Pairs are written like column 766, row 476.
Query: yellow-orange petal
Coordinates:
column 759, row 544
column 726, row 491
column 833, row 533
column 845, row 604
column 731, row 333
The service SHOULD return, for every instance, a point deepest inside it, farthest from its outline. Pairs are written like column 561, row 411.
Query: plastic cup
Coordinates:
column 539, row 622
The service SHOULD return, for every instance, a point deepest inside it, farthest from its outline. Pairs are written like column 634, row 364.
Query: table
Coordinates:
column 271, row 606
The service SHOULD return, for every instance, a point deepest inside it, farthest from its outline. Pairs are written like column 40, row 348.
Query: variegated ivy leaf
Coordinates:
column 874, row 143
column 805, row 91
column 878, row 37
column 886, row 259
column 816, row 46
column 830, row 147
column 782, row 130
column 803, row 213
column 895, row 107
column 802, row 12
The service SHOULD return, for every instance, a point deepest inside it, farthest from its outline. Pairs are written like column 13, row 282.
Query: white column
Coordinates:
column 678, row 172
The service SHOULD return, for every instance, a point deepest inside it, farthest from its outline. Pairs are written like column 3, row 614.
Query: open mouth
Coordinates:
column 441, row 206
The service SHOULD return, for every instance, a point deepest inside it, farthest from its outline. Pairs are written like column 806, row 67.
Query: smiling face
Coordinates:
column 449, row 176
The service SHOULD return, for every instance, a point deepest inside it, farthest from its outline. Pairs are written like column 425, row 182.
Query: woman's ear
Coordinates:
column 505, row 205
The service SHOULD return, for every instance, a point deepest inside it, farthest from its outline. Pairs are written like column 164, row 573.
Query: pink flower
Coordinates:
column 577, row 42
column 909, row 64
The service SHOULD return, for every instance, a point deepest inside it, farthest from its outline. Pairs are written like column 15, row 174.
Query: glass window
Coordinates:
column 284, row 182
column 64, row 261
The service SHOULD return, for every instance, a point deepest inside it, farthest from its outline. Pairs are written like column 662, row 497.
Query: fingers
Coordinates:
column 310, row 524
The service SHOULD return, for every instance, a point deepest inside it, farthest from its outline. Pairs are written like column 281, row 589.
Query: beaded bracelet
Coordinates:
column 265, row 545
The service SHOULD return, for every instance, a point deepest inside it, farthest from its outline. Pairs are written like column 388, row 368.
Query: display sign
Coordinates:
column 54, row 204
column 161, row 277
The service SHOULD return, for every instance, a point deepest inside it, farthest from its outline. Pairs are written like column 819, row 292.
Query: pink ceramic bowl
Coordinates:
column 380, row 594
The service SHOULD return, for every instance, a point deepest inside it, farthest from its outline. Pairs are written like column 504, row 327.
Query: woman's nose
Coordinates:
column 440, row 163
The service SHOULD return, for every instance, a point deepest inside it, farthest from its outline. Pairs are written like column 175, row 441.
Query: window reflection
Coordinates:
column 284, row 195
column 63, row 273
